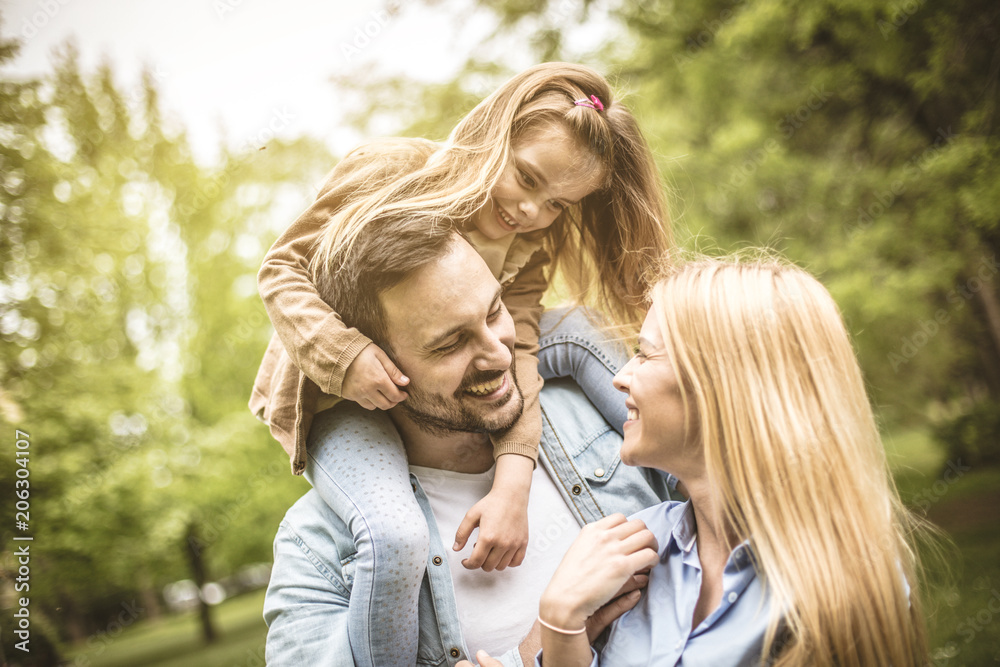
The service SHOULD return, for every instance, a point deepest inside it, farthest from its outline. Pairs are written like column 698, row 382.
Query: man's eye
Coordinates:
column 449, row 348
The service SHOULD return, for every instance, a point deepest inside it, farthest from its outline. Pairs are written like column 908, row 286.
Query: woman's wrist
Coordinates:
column 560, row 614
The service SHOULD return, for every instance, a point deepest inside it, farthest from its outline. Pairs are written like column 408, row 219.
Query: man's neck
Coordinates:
column 452, row 450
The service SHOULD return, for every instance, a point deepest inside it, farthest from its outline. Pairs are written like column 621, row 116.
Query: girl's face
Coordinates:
column 549, row 171
column 655, row 431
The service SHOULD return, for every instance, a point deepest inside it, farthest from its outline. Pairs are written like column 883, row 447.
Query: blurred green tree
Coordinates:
column 132, row 331
column 856, row 137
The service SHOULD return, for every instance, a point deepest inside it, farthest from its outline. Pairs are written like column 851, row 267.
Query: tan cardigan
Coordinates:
column 305, row 362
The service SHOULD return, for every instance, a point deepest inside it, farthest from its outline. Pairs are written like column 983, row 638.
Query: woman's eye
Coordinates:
column 495, row 314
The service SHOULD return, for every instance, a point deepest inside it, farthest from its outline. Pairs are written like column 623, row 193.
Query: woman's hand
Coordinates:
column 626, row 598
column 373, row 381
column 595, row 568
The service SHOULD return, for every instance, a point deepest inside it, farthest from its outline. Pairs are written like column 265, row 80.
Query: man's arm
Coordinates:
column 305, row 608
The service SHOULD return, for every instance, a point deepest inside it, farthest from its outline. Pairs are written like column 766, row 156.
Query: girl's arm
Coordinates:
column 316, row 339
column 502, row 516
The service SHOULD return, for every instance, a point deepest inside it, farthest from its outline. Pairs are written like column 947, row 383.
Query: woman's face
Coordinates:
column 655, row 431
column 549, row 171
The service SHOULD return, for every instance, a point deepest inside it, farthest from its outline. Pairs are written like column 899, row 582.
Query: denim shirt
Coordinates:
column 306, row 605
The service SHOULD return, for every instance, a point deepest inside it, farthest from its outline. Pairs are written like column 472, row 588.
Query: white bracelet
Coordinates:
column 561, row 630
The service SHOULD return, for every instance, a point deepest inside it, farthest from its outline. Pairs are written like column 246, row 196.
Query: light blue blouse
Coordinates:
column 658, row 630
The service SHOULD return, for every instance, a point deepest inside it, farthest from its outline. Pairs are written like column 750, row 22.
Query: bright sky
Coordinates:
column 233, row 68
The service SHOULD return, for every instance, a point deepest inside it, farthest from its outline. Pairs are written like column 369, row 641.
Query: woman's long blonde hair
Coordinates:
column 793, row 451
column 605, row 247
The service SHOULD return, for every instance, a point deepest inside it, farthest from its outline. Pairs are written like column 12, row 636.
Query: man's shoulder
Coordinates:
column 584, row 453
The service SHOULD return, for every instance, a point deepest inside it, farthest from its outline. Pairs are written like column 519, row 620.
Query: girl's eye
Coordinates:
column 495, row 314
column 557, row 205
column 528, row 180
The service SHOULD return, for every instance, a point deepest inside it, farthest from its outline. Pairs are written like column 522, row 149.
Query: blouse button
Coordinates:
column 576, row 489
column 732, row 597
column 599, row 472
column 437, row 560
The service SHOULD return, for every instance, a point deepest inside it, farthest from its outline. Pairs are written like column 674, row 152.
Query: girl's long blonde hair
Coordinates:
column 793, row 451
column 605, row 247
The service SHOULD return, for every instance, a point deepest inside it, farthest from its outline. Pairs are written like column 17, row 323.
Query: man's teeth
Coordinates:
column 633, row 414
column 486, row 387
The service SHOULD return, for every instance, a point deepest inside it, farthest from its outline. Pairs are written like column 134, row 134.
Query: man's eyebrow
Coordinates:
column 540, row 177
column 438, row 340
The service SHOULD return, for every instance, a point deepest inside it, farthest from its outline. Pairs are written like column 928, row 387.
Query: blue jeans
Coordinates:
column 357, row 464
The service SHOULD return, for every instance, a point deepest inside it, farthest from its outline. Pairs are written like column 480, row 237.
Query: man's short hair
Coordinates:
column 384, row 253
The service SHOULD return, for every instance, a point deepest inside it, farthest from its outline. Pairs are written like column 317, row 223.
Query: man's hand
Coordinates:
column 503, row 531
column 373, row 381
column 626, row 598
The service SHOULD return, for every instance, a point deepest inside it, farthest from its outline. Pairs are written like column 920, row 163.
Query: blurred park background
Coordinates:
column 859, row 137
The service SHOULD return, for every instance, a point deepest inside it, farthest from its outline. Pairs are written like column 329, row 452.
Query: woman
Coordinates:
column 792, row 547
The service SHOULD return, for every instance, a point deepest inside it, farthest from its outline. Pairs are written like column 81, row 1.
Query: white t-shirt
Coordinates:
column 496, row 609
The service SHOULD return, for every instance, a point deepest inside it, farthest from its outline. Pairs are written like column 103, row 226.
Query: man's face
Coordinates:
column 453, row 337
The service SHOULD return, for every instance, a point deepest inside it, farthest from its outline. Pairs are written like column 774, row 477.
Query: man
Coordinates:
column 451, row 298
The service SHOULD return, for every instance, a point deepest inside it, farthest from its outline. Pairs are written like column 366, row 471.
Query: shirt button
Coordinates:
column 576, row 489
column 680, row 645
column 599, row 472
column 454, row 652
column 732, row 597
column 437, row 560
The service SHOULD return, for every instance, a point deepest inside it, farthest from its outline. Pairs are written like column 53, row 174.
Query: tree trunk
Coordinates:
column 196, row 557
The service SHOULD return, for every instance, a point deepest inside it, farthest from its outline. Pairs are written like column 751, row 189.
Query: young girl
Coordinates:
column 549, row 172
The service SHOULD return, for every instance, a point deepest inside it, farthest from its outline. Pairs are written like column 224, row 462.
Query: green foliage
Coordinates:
column 132, row 330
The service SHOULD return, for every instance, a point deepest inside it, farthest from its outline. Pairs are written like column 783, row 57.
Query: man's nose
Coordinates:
column 495, row 352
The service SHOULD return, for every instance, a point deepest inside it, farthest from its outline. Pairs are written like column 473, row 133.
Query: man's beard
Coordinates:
column 442, row 415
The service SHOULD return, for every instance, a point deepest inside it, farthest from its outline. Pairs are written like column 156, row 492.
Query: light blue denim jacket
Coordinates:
column 307, row 599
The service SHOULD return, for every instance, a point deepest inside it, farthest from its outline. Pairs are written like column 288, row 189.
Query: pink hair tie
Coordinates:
column 593, row 103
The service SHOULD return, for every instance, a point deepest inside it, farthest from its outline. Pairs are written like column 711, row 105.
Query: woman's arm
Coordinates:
column 599, row 562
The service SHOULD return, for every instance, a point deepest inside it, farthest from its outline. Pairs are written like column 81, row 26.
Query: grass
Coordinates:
column 176, row 641
column 963, row 607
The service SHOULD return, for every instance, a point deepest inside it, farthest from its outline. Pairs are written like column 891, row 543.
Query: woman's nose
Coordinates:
column 623, row 376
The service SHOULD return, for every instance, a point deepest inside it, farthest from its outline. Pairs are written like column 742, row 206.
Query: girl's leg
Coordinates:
column 358, row 466
column 571, row 346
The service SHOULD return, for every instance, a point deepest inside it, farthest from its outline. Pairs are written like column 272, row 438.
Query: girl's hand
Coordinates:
column 502, row 517
column 371, row 380
column 503, row 531
column 597, row 565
